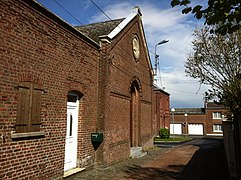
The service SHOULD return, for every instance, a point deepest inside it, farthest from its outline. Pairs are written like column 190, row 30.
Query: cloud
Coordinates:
column 160, row 24
column 113, row 11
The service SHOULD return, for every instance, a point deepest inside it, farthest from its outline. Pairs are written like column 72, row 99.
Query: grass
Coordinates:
column 172, row 139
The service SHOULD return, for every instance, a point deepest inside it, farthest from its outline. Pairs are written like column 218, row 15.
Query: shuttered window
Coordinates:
column 29, row 108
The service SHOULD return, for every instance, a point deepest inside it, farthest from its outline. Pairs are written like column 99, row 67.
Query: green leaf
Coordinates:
column 186, row 10
column 196, row 9
column 185, row 2
column 198, row 15
column 175, row 3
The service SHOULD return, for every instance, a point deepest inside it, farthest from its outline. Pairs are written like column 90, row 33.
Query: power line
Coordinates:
column 112, row 20
column 100, row 9
column 102, row 12
column 68, row 12
column 186, row 92
column 119, row 45
column 82, row 24
column 107, row 17
column 127, row 53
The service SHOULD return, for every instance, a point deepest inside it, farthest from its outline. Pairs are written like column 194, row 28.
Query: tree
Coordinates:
column 216, row 61
column 225, row 15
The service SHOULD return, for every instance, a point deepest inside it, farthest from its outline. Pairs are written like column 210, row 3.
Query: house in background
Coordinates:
column 70, row 100
column 198, row 121
column 188, row 121
column 161, row 109
column 215, row 114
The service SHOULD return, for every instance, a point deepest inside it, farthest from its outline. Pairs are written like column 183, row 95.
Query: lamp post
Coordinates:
column 157, row 56
column 172, row 110
column 186, row 123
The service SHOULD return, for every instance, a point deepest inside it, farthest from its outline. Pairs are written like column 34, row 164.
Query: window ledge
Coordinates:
column 217, row 131
column 15, row 135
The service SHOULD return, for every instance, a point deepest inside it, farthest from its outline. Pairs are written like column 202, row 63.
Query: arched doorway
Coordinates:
column 135, row 115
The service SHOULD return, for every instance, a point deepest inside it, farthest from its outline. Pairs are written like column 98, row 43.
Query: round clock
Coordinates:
column 136, row 47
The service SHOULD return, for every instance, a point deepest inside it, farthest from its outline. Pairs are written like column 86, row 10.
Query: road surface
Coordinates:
column 201, row 159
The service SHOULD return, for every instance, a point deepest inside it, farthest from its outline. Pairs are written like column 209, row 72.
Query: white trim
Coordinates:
column 214, row 134
column 215, row 114
column 216, row 127
column 124, row 23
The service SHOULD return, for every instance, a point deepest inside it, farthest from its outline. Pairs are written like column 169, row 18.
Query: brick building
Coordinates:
column 101, row 80
column 126, row 91
column 199, row 121
column 161, row 108
column 215, row 113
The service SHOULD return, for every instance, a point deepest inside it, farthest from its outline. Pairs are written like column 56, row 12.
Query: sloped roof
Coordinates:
column 95, row 30
column 189, row 110
column 213, row 105
column 108, row 28
column 160, row 90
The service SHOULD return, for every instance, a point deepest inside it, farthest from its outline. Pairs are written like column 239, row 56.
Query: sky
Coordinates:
column 161, row 22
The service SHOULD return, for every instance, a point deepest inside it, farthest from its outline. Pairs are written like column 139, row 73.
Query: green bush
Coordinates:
column 164, row 133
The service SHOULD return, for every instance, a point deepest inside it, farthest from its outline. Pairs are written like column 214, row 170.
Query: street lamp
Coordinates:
column 186, row 123
column 172, row 110
column 157, row 56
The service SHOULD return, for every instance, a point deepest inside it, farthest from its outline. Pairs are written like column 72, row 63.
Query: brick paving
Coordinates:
column 200, row 159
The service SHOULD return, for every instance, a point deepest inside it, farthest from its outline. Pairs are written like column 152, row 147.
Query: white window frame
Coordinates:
column 217, row 115
column 217, row 128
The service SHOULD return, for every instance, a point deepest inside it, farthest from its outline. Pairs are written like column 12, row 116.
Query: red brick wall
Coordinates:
column 165, row 111
column 161, row 110
column 211, row 121
column 123, row 70
column 34, row 45
column 191, row 119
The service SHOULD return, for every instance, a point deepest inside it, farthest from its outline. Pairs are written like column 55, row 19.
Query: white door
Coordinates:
column 177, row 129
column 71, row 136
column 195, row 129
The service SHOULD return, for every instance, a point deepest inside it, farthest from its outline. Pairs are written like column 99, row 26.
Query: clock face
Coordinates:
column 136, row 47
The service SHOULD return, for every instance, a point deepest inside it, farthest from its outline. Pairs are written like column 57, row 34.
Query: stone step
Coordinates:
column 137, row 152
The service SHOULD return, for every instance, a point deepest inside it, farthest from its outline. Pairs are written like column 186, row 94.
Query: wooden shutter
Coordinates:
column 36, row 109
column 23, row 109
column 29, row 108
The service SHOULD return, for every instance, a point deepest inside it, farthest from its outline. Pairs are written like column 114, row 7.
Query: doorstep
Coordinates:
column 72, row 171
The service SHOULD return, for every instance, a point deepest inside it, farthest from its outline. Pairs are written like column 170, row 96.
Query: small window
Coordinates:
column 29, row 108
column 72, row 98
column 217, row 115
column 217, row 128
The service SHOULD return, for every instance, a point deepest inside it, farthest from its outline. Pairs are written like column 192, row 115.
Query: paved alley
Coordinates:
column 202, row 159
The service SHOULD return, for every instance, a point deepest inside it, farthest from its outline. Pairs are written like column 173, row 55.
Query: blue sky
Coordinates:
column 160, row 22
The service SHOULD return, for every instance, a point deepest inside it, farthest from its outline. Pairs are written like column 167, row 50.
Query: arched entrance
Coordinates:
column 135, row 114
